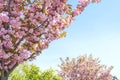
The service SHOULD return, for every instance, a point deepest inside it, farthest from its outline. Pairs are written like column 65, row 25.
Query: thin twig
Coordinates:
column 9, row 3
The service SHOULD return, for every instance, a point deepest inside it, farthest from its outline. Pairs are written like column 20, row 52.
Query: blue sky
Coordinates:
column 96, row 31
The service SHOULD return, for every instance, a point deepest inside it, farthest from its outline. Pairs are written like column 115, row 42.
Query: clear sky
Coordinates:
column 96, row 31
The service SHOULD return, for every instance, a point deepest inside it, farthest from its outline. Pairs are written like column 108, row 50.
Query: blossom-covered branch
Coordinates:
column 28, row 26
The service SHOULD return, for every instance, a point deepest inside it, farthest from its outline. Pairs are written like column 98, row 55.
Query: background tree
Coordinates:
column 84, row 68
column 28, row 26
column 32, row 72
column 50, row 74
column 115, row 78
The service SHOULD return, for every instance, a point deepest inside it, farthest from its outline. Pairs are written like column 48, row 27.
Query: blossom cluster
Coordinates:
column 84, row 68
column 28, row 26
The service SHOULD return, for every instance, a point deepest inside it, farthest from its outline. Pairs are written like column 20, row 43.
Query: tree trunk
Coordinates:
column 4, row 76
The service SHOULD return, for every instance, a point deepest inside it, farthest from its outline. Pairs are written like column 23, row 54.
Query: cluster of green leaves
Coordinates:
column 50, row 74
column 32, row 72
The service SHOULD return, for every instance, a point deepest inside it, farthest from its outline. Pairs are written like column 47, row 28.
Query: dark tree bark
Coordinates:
column 5, row 77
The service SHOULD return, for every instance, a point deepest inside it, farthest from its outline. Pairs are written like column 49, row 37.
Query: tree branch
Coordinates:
column 17, row 44
column 10, row 71
column 9, row 7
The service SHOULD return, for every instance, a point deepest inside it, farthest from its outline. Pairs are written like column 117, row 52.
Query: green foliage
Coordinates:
column 32, row 72
column 50, row 75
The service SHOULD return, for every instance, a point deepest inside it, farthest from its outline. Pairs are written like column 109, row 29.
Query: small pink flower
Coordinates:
column 4, row 16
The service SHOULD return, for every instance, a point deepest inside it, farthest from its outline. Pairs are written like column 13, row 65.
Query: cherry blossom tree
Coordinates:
column 84, row 68
column 28, row 26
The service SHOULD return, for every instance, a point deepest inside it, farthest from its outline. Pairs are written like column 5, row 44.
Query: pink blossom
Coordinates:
column 4, row 16
column 27, row 29
column 84, row 68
